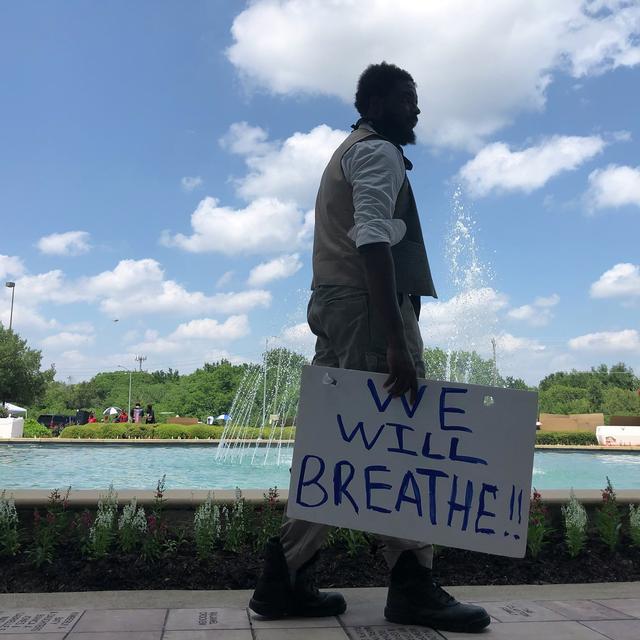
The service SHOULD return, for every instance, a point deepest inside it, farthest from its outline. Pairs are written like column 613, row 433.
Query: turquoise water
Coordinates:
column 42, row 466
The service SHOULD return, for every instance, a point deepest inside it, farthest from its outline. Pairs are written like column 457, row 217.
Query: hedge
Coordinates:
column 33, row 429
column 566, row 437
column 168, row 431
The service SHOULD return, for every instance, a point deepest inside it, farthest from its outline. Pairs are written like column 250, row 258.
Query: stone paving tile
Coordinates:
column 207, row 618
column 33, row 636
column 616, row 629
column 630, row 606
column 397, row 632
column 566, row 630
column 582, row 610
column 300, row 634
column 258, row 622
column 520, row 611
column 221, row 634
column 122, row 620
column 22, row 621
column 114, row 635
column 365, row 614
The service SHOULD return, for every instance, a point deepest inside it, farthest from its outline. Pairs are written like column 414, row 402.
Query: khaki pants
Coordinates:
column 349, row 335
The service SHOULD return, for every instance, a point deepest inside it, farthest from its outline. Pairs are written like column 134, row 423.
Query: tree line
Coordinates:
column 211, row 389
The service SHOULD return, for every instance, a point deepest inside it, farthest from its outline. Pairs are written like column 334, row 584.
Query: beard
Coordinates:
column 398, row 131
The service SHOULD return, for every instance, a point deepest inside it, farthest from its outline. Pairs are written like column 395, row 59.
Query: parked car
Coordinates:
column 55, row 422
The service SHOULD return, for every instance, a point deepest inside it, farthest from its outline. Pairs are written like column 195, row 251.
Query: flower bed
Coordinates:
column 127, row 547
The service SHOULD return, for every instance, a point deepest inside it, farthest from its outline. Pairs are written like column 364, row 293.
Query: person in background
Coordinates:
column 150, row 416
column 91, row 418
column 136, row 413
column 122, row 416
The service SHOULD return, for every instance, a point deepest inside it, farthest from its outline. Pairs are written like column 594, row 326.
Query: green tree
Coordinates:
column 620, row 402
column 564, row 399
column 21, row 379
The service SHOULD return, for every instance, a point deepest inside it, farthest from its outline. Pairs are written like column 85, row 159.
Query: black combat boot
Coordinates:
column 275, row 597
column 414, row 598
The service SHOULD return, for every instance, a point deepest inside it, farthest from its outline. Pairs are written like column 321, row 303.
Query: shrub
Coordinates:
column 634, row 524
column 608, row 520
column 168, row 431
column 566, row 437
column 538, row 525
column 33, row 429
column 131, row 527
column 575, row 525
column 206, row 527
column 8, row 526
column 102, row 531
column 204, row 431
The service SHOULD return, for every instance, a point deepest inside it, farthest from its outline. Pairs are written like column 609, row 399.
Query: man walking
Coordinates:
column 370, row 269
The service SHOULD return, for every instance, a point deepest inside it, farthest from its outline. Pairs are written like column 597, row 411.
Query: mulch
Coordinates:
column 336, row 568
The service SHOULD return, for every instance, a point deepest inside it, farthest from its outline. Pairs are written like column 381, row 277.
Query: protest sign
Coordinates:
column 453, row 468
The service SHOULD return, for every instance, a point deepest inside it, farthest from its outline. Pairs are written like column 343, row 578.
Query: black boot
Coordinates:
column 414, row 598
column 275, row 597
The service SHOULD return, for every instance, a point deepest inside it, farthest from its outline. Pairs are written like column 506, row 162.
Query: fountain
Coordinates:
column 267, row 397
column 264, row 406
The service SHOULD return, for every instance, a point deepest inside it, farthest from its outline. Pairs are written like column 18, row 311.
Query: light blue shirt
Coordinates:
column 375, row 170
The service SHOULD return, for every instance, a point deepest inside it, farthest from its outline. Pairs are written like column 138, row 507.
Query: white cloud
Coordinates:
column 187, row 339
column 279, row 187
column 626, row 341
column 299, row 338
column 189, row 183
column 118, row 292
column 614, row 186
column 10, row 266
column 70, row 243
column 291, row 170
column 246, row 140
column 502, row 53
column 224, row 279
column 537, row 314
column 67, row 340
column 510, row 344
column 497, row 168
column 207, row 329
column 265, row 225
column 621, row 281
column 276, row 269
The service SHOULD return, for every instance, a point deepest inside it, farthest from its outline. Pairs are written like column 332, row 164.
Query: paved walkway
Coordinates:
column 554, row 612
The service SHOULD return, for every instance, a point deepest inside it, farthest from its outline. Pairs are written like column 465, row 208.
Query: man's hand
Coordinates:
column 381, row 283
column 402, row 373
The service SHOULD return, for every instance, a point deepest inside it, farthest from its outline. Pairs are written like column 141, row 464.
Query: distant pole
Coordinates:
column 264, row 382
column 140, row 359
column 12, row 286
column 494, row 373
column 129, row 408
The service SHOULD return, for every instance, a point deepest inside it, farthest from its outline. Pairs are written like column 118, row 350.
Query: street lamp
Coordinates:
column 12, row 286
column 130, row 372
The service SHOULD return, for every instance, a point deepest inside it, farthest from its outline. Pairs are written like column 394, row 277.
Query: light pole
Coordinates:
column 129, row 409
column 12, row 286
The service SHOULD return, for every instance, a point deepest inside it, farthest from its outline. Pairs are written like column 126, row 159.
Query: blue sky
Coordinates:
column 160, row 161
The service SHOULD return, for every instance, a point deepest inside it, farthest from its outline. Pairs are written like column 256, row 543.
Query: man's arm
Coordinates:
column 383, row 298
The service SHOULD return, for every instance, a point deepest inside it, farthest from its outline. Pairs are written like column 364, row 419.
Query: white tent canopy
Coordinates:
column 15, row 411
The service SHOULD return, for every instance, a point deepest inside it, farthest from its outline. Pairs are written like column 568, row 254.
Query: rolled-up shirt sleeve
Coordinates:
column 375, row 170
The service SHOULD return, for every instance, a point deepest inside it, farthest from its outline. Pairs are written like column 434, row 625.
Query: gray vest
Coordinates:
column 336, row 260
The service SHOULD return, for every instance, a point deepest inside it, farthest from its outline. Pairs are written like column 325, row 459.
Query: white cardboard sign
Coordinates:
column 453, row 469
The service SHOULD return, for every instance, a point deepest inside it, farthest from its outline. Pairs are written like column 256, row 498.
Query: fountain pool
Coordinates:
column 47, row 466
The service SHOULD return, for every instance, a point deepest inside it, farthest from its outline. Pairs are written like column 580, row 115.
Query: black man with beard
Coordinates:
column 370, row 269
